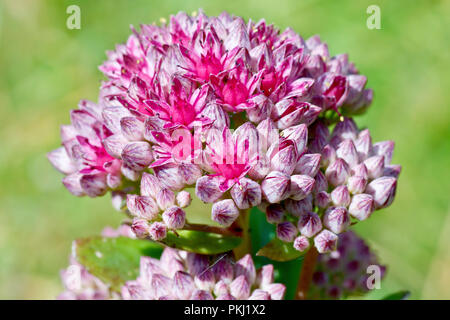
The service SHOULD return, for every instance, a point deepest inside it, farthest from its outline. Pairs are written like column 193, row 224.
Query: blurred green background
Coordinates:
column 46, row 68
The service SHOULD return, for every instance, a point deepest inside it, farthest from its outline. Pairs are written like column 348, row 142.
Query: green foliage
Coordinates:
column 114, row 260
column 201, row 242
column 400, row 295
column 279, row 251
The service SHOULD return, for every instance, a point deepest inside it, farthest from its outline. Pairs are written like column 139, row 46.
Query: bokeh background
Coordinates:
column 46, row 68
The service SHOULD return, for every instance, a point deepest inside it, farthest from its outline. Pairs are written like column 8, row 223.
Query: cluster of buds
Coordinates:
column 239, row 110
column 179, row 275
column 346, row 271
column 343, row 176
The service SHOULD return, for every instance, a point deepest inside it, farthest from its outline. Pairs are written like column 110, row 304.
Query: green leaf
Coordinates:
column 114, row 260
column 400, row 295
column 201, row 242
column 279, row 251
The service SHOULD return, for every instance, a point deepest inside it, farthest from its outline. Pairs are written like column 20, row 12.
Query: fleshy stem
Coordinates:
column 242, row 223
column 306, row 274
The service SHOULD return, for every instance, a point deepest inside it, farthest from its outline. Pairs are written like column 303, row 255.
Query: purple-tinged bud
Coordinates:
column 221, row 288
column 114, row 145
column 207, row 189
column 283, row 157
column 157, row 231
column 196, row 263
column 364, row 145
column 321, row 183
column 72, row 183
column 132, row 128
column 301, row 243
column 223, row 271
column 224, row 212
column 174, row 217
column 276, row 186
column 142, row 206
column 268, row 134
column 386, row 149
column 94, row 185
column 347, row 151
column 362, row 206
column 119, row 200
column 61, row 161
column 225, row 296
column 286, row 231
column 129, row 173
column 201, row 295
column 183, row 285
column 375, row 166
column 301, row 186
column 346, row 129
column 309, row 224
column 246, row 267
column 240, row 288
column 265, row 276
column 112, row 116
column 328, row 156
column 205, row 280
column 184, row 199
column 308, row 164
column 299, row 135
column 322, row 199
column 140, row 228
column 392, row 170
column 169, row 176
column 259, row 294
column 274, row 213
column 320, row 134
column 340, row 196
column 356, row 184
column 165, row 199
column 246, row 193
column 137, row 155
column 325, row 241
column 336, row 219
column 356, row 84
column 360, row 171
column 150, row 185
column 189, row 173
column 160, row 286
column 383, row 191
column 338, row 172
column 276, row 291
column 260, row 169
column 297, row 208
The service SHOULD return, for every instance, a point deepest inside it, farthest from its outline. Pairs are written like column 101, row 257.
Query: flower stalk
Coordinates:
column 306, row 274
column 243, row 223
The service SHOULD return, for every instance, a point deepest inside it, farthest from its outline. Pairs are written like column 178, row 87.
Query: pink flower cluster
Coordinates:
column 225, row 106
column 344, row 272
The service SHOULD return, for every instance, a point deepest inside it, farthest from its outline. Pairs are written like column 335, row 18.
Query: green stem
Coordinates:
column 243, row 223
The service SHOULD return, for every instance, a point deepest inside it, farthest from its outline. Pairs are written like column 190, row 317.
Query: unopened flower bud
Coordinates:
column 157, row 231
column 274, row 213
column 142, row 206
column 259, row 294
column 276, row 291
column 386, row 149
column 298, row 207
column 341, row 196
column 360, row 171
column 137, row 155
column 283, row 157
column 150, row 185
column 301, row 186
column 183, row 285
column 301, row 243
column 205, row 280
column 246, row 267
column 347, row 151
column 322, row 199
column 328, row 156
column 240, row 288
column 375, row 166
column 356, row 184
column 184, row 199
column 224, row 212
column 308, row 164
column 140, row 228
column 325, row 241
column 309, row 224
column 207, row 189
column 321, row 183
column 201, row 295
column 276, row 187
column 299, row 135
column 132, row 128
column 174, row 217
column 361, row 206
column 165, row 198
column 364, row 145
column 383, row 191
column 336, row 219
column 392, row 170
column 286, row 231
column 337, row 172
column 246, row 193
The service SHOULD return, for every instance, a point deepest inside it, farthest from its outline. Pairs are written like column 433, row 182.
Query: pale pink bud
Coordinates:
column 346, row 129
column 286, row 231
column 392, row 170
column 383, row 191
column 301, row 243
column 276, row 291
column 298, row 134
column 119, row 200
column 201, row 295
column 364, row 145
column 157, row 231
column 142, row 206
column 72, row 183
column 165, row 199
column 114, row 145
column 276, row 187
column 246, row 193
column 150, row 185
column 337, row 172
column 375, row 166
column 321, row 183
column 160, row 286
column 129, row 173
column 189, row 173
column 285, row 159
column 360, row 171
column 356, row 184
column 309, row 224
column 174, row 217
column 265, row 276
column 274, row 213
column 308, row 164
column 336, row 219
column 184, row 199
column 322, row 199
column 240, row 288
column 137, row 155
column 94, row 185
column 207, row 189
column 325, row 241
column 268, row 134
column 341, row 196
column 347, row 151
column 298, row 207
column 132, row 128
column 224, row 212
column 61, row 161
column 183, row 285
column 205, row 280
column 301, row 186
column 140, row 228
column 384, row 148
column 259, row 294
column 223, row 271
column 246, row 267
column 225, row 296
column 328, row 156
column 221, row 288
column 362, row 206
column 169, row 176
column 260, row 169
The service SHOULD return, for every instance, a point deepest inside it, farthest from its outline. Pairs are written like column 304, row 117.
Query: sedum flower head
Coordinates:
column 344, row 272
